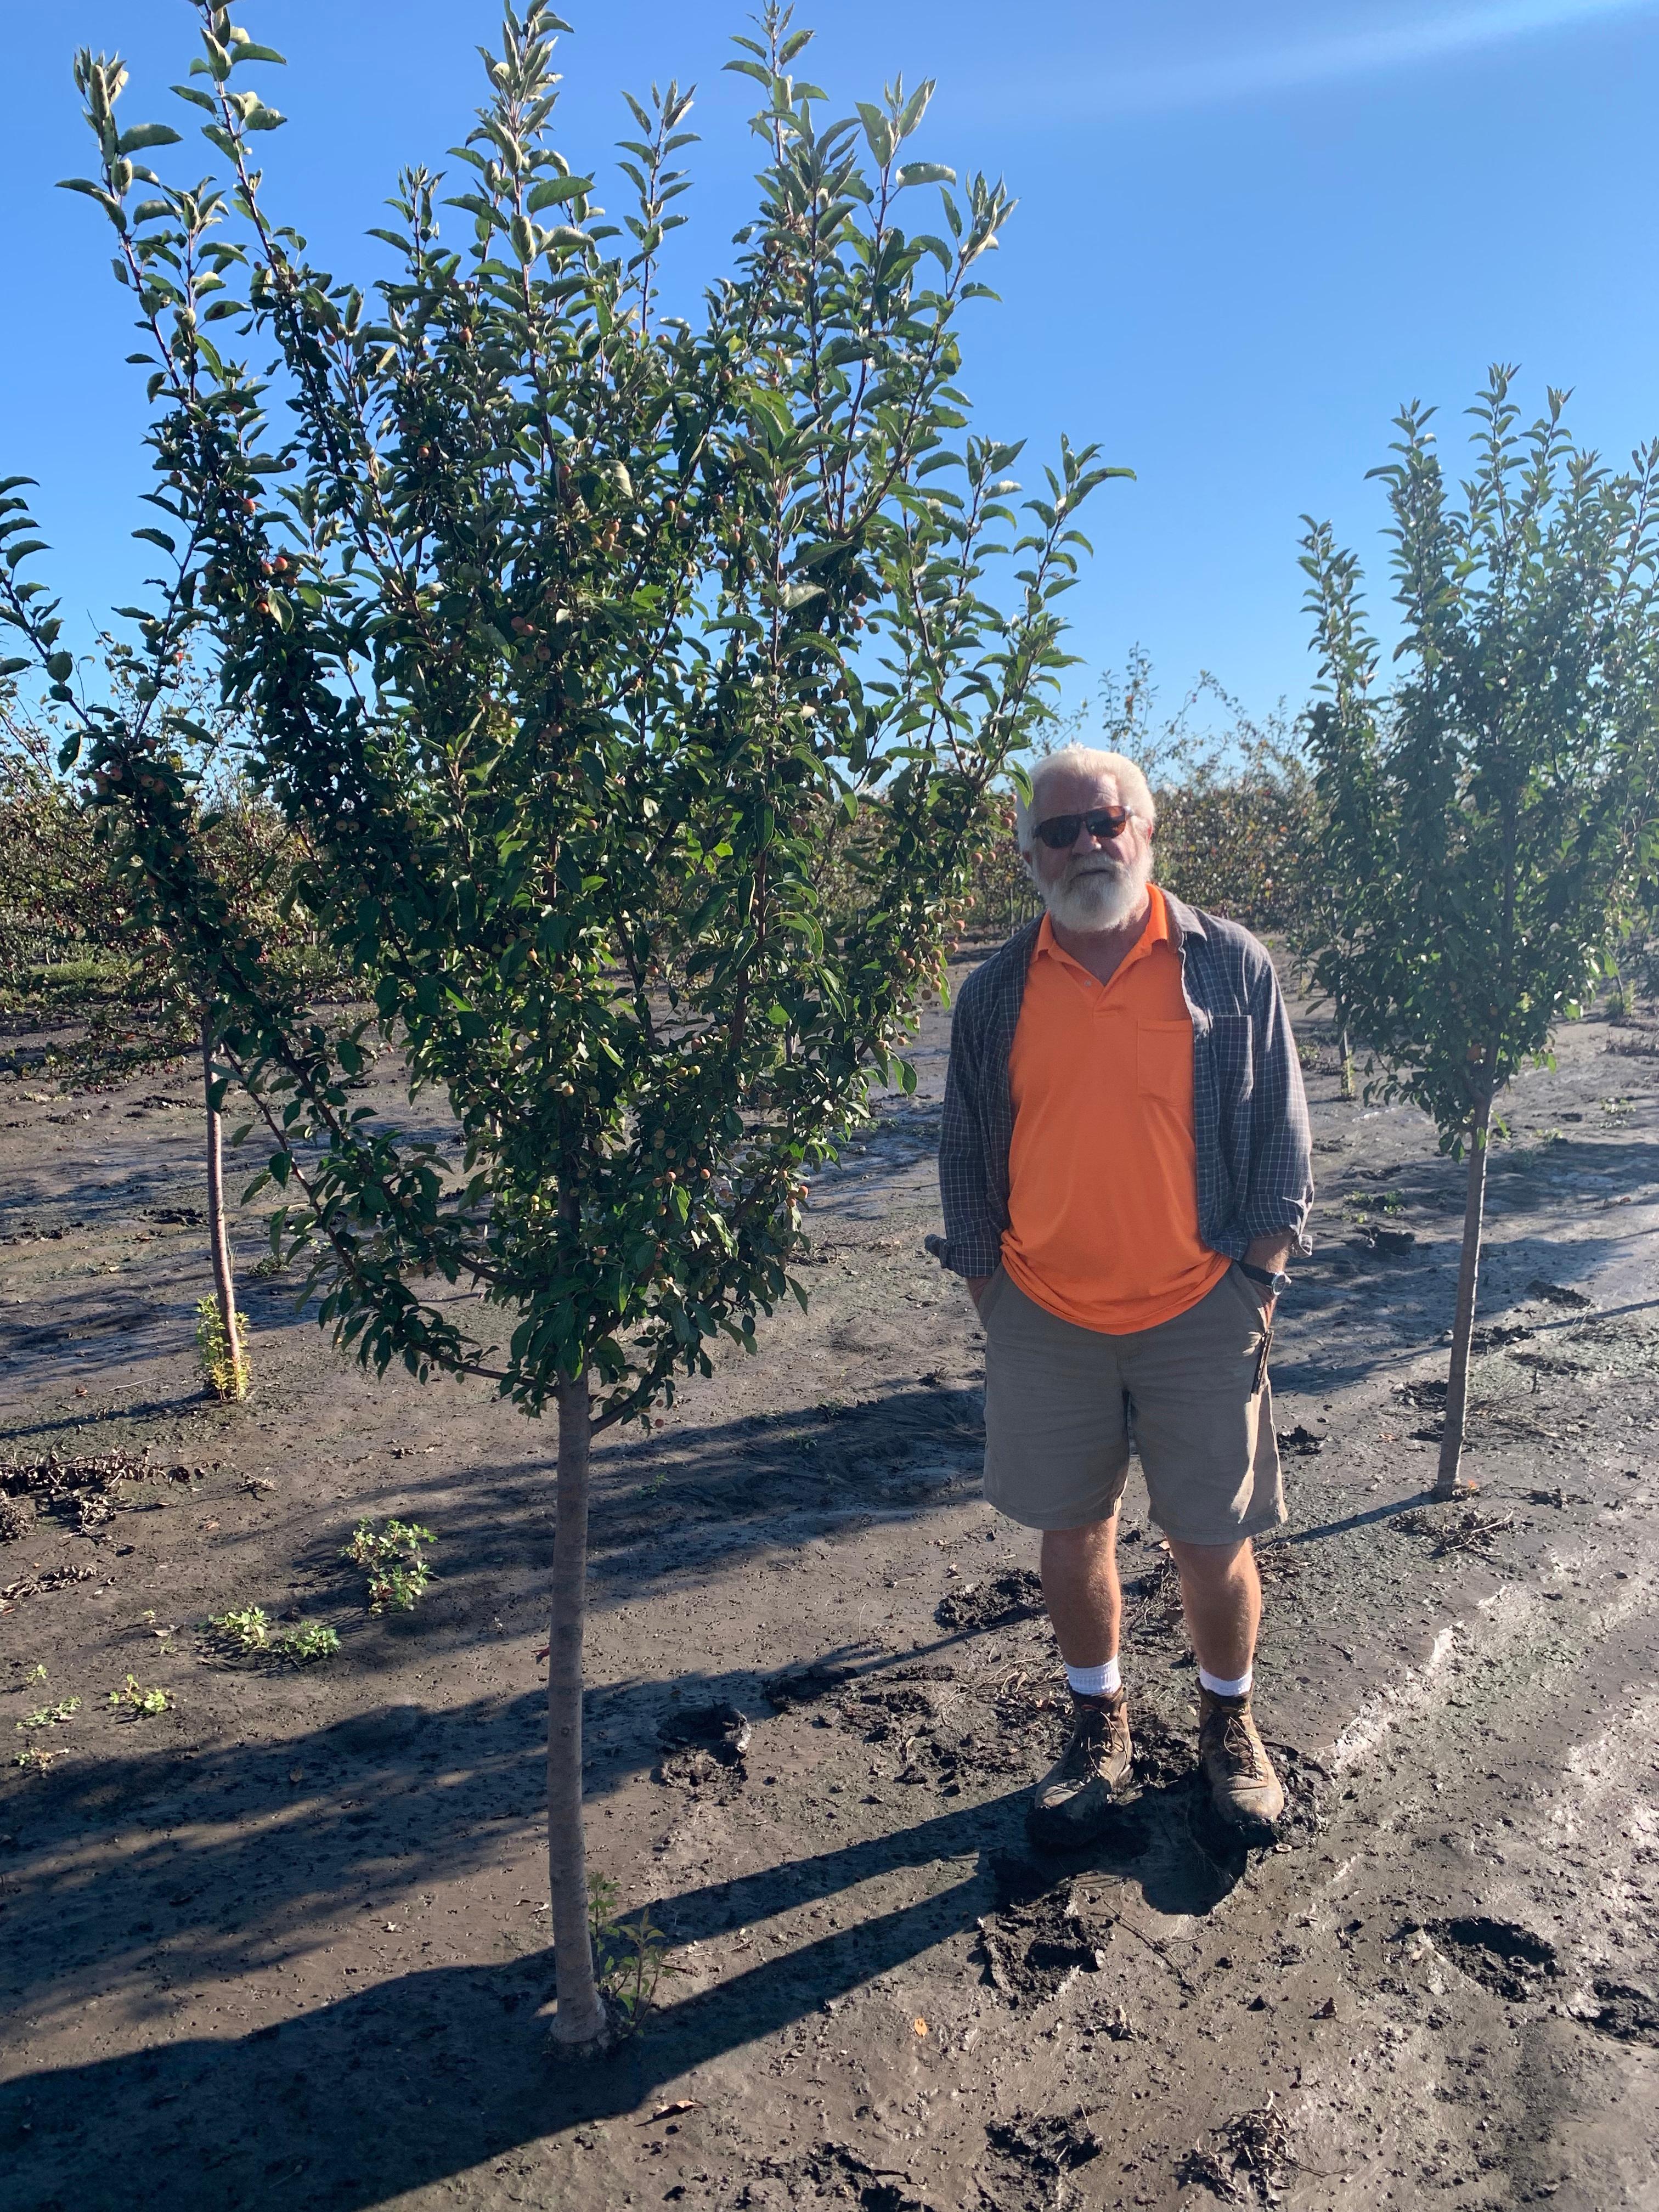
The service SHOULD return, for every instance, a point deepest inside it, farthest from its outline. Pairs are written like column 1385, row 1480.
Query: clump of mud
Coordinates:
column 1557, row 1294
column 1502, row 1333
column 1631, row 2014
column 1510, row 1961
column 1016, row 1596
column 805, row 1685
column 1305, row 1443
column 1250, row 2161
column 836, row 2174
column 1468, row 1530
column 1037, row 1939
column 1383, row 1244
column 1034, row 2153
column 704, row 1747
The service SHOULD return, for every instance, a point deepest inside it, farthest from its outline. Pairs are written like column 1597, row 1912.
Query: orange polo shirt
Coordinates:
column 1102, row 1178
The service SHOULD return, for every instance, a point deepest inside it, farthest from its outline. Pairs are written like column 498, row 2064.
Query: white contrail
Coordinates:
column 1242, row 74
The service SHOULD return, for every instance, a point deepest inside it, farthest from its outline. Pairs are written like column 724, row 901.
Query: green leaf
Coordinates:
column 926, row 173
column 552, row 190
column 111, row 207
column 914, row 108
column 877, row 132
column 148, row 133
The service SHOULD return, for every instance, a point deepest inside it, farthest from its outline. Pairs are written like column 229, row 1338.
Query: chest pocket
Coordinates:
column 1164, row 1060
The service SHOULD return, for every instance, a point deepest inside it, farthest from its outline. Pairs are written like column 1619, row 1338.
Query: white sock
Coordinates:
column 1219, row 1686
column 1095, row 1681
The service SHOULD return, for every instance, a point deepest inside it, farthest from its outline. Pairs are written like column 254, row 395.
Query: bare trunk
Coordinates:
column 579, row 2018
column 1345, row 1047
column 224, row 1286
column 1468, row 1277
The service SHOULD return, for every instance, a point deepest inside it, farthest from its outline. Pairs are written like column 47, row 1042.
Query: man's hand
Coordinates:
column 1270, row 1253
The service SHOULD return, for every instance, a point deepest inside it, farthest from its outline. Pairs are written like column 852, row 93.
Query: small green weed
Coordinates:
column 392, row 1558
column 36, row 1758
column 1616, row 1109
column 228, row 1379
column 36, row 1673
column 246, row 1632
column 628, row 1955
column 310, row 1641
column 51, row 1716
column 1393, row 1201
column 141, row 1703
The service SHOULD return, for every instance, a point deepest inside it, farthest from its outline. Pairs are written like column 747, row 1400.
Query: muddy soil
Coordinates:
column 283, row 1941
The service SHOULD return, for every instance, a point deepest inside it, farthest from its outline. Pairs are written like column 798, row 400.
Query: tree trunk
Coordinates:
column 224, row 1286
column 1468, row 1276
column 1345, row 1047
column 579, row 2020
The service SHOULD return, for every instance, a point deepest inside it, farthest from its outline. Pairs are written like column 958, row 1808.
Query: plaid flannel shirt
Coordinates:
column 1249, row 1111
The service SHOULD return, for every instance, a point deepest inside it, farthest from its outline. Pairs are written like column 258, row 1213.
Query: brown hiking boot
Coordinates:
column 1070, row 1803
column 1244, row 1786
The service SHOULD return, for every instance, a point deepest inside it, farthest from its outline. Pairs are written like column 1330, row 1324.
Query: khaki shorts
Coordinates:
column 1059, row 1401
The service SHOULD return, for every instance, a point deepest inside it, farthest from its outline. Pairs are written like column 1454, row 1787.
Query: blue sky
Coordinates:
column 1246, row 234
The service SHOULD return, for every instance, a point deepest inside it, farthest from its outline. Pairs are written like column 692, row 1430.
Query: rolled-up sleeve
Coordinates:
column 1280, row 1190
column 972, row 1244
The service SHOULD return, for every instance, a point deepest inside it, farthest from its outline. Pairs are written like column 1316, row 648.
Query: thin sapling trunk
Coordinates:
column 232, row 1361
column 579, row 2020
column 1468, row 1277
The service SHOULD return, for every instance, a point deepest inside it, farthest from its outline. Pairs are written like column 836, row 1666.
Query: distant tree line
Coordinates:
column 80, row 960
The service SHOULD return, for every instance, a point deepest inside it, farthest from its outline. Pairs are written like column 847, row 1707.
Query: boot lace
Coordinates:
column 1092, row 1745
column 1238, row 1744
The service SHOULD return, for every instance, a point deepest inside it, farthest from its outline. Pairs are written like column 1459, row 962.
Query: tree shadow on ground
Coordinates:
column 242, row 1850
column 385, row 2092
column 697, row 1501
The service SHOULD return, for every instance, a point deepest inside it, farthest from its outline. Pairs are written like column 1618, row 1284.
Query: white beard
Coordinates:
column 1103, row 898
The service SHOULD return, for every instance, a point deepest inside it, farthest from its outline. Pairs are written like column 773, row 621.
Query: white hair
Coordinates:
column 1133, row 789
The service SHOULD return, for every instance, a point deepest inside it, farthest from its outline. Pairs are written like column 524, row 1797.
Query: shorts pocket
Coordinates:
column 1164, row 1060
column 1241, row 1283
column 992, row 1293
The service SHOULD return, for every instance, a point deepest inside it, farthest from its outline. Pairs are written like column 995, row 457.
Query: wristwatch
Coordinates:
column 1278, row 1282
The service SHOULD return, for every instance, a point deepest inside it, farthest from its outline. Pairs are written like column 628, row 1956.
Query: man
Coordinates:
column 1124, row 1169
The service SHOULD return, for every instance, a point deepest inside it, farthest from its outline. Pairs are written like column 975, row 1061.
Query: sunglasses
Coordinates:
column 1061, row 830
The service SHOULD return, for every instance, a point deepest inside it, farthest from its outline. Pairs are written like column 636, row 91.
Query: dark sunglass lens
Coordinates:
column 1061, row 829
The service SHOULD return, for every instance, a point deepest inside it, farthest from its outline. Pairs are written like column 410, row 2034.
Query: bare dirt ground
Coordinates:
column 284, row 1942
